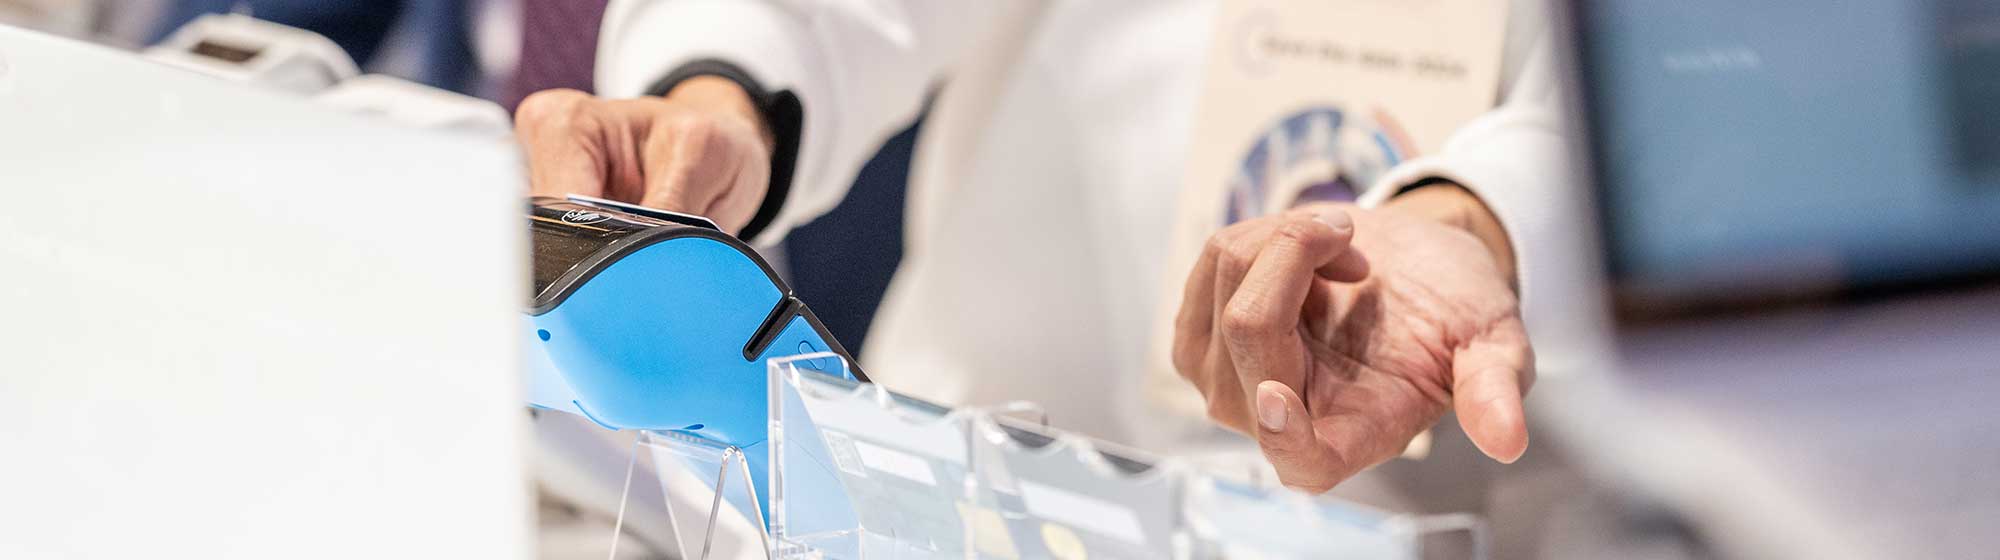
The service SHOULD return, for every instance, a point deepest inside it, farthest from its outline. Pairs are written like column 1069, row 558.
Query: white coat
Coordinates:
column 1044, row 181
column 1043, row 190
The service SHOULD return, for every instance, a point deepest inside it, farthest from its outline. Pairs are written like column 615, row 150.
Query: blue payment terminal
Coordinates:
column 642, row 319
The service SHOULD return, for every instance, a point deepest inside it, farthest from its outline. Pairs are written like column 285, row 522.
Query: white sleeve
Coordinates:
column 1517, row 160
column 860, row 69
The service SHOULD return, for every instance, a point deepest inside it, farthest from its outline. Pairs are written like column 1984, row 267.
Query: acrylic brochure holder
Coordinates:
column 859, row 472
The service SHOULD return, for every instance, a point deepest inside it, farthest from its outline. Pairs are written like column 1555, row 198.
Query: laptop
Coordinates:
column 1801, row 216
column 242, row 325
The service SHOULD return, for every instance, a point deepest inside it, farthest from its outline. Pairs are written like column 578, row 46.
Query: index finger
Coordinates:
column 552, row 129
column 1260, row 324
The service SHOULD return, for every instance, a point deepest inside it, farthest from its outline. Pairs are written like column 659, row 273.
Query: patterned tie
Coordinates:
column 558, row 46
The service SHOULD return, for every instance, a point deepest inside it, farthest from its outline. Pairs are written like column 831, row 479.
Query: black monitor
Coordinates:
column 1759, row 152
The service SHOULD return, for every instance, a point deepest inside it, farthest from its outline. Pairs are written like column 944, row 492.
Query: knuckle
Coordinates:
column 696, row 129
column 1228, row 244
column 1240, row 255
column 1216, row 246
column 552, row 108
column 1234, row 263
column 698, row 136
column 1243, row 320
column 1243, row 250
column 1304, row 234
column 1236, row 322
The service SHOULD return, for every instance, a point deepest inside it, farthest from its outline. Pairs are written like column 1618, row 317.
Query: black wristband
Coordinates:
column 781, row 112
column 1421, row 183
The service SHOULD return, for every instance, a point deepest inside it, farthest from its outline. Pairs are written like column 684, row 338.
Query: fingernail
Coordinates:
column 1270, row 407
column 1336, row 219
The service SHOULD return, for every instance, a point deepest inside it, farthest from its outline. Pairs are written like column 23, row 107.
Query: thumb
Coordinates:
column 706, row 165
column 684, row 165
column 1489, row 377
column 1285, row 433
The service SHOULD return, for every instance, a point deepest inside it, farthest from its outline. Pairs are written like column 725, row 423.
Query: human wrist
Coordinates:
column 1454, row 205
column 717, row 93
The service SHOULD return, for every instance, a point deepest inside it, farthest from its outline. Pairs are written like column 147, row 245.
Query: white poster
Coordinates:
column 1314, row 100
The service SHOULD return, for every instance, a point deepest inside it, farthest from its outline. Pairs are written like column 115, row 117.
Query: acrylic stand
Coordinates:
column 710, row 499
column 861, row 473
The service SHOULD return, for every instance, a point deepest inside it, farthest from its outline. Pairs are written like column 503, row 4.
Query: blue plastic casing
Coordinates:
column 652, row 332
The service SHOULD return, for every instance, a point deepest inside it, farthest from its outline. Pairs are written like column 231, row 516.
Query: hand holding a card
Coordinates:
column 702, row 148
column 1336, row 334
